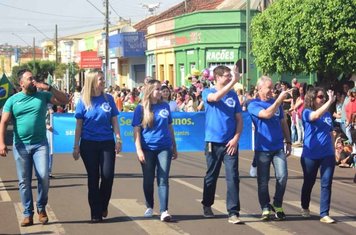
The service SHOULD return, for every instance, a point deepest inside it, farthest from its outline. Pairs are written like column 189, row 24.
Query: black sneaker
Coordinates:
column 208, row 213
column 278, row 212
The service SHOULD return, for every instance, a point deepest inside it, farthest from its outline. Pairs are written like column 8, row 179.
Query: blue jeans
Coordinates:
column 279, row 162
column 99, row 161
column 26, row 157
column 215, row 155
column 50, row 153
column 346, row 130
column 160, row 161
column 293, row 132
column 310, row 171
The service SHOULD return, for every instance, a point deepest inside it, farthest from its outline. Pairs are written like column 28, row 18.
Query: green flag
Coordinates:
column 5, row 90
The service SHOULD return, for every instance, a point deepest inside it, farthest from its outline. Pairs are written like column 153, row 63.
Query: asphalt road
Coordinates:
column 69, row 211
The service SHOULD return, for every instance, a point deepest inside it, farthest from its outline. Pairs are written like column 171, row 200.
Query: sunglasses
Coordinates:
column 320, row 97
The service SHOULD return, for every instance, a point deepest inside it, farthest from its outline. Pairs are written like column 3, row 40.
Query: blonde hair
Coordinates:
column 89, row 87
column 147, row 112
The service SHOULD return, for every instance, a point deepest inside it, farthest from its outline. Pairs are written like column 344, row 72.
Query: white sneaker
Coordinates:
column 253, row 171
column 148, row 212
column 165, row 216
column 326, row 219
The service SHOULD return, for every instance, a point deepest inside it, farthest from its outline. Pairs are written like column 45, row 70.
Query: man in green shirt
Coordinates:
column 28, row 109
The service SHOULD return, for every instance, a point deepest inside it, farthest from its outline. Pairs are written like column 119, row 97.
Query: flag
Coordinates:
column 5, row 90
column 49, row 79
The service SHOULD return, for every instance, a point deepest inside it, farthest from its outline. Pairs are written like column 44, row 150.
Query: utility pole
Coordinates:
column 56, row 42
column 248, row 44
column 107, row 42
column 34, row 55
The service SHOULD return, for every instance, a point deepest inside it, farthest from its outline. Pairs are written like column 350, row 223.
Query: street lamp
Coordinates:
column 34, row 47
column 16, row 35
column 46, row 36
column 28, row 24
column 34, row 50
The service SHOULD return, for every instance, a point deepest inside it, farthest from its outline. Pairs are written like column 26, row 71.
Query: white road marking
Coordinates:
column 342, row 217
column 220, row 205
column 252, row 221
column 189, row 185
column 301, row 173
column 53, row 226
column 152, row 226
column 4, row 195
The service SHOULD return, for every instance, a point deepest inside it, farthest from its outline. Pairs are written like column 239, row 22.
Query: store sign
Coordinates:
column 90, row 60
column 220, row 55
column 101, row 48
column 134, row 44
column 165, row 41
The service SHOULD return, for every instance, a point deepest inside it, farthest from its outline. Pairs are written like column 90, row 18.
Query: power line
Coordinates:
column 96, row 7
column 43, row 13
column 22, row 19
column 16, row 35
column 114, row 11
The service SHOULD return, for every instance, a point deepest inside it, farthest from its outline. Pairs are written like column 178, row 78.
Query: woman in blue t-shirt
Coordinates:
column 96, row 124
column 318, row 151
column 155, row 145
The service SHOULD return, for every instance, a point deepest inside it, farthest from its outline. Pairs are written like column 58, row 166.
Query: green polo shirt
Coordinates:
column 29, row 116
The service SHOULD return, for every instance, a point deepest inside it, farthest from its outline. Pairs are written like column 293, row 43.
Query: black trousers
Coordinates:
column 99, row 161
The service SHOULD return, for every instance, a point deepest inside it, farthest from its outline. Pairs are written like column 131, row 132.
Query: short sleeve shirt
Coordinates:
column 29, row 116
column 97, row 124
column 268, row 132
column 220, row 116
column 158, row 136
column 317, row 139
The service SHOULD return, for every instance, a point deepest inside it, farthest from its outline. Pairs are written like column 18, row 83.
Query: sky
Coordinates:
column 71, row 17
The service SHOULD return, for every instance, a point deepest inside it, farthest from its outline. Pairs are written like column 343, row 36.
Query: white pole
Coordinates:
column 67, row 81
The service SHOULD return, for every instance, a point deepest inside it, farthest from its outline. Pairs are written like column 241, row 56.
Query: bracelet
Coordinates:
column 49, row 86
column 119, row 140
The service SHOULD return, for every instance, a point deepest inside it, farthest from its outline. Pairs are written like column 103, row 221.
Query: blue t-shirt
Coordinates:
column 158, row 137
column 97, row 119
column 268, row 132
column 220, row 116
column 317, row 139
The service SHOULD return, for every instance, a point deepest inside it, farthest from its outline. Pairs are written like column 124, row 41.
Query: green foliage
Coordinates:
column 13, row 79
column 306, row 36
column 45, row 67
column 41, row 69
column 60, row 70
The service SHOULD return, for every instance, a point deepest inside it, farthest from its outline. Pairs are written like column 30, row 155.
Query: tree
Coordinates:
column 306, row 36
column 60, row 70
column 42, row 68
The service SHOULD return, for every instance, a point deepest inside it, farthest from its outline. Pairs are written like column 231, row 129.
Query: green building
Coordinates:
column 207, row 39
column 202, row 40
